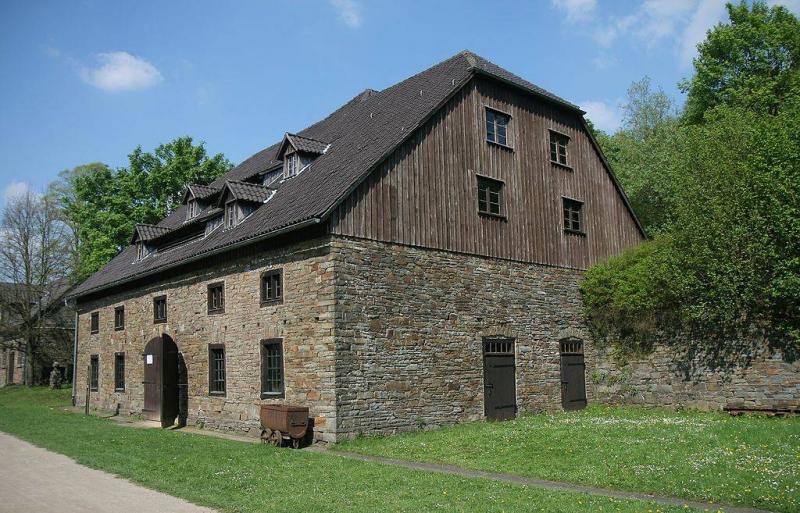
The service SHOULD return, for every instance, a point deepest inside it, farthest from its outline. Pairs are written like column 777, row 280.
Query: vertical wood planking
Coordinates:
column 425, row 193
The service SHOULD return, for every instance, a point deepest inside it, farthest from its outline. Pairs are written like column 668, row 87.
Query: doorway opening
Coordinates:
column 160, row 360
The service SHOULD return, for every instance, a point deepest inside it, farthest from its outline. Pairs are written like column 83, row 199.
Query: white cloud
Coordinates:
column 576, row 10
column 349, row 12
column 15, row 189
column 707, row 14
column 604, row 116
column 121, row 71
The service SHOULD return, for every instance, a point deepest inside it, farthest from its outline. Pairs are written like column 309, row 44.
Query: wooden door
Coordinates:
column 499, row 379
column 573, row 375
column 152, row 380
column 10, row 369
column 161, row 380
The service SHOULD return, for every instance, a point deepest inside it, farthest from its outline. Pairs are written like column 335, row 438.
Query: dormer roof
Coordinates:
column 244, row 191
column 300, row 143
column 199, row 192
column 147, row 232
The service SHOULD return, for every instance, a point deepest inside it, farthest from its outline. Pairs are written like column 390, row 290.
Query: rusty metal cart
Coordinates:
column 283, row 423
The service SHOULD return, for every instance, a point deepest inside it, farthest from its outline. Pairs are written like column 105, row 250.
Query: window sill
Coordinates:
column 216, row 312
column 272, row 395
column 92, row 389
column 495, row 216
column 272, row 302
column 94, row 332
column 119, row 390
column 119, row 328
column 159, row 321
column 216, row 394
column 563, row 166
column 501, row 145
column 574, row 232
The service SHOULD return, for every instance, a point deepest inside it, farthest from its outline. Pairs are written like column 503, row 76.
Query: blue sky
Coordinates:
column 90, row 80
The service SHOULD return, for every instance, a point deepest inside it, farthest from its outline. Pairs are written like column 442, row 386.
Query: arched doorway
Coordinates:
column 161, row 380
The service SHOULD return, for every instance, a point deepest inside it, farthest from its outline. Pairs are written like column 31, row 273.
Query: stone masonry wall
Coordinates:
column 657, row 381
column 304, row 320
column 409, row 328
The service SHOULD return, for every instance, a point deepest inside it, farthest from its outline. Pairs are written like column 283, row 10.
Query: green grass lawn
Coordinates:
column 753, row 461
column 241, row 477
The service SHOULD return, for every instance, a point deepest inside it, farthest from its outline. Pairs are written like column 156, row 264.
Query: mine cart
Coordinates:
column 281, row 423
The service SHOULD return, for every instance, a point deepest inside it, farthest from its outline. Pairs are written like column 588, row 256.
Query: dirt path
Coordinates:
column 34, row 479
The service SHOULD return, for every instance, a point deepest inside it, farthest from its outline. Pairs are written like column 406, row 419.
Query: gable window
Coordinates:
column 95, row 323
column 272, row 367
column 119, row 318
column 573, row 216
column 231, row 217
column 292, row 165
column 119, row 372
column 497, row 126
column 558, row 148
column 160, row 309
column 94, row 372
column 216, row 369
column 272, row 287
column 216, row 298
column 490, row 196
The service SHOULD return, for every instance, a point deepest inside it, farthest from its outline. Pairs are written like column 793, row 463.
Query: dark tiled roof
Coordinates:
column 361, row 134
column 245, row 191
column 150, row 231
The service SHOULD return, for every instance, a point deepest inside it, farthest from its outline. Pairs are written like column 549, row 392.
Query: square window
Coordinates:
column 272, row 287
column 272, row 367
column 160, row 309
column 216, row 369
column 95, row 322
column 573, row 216
column 216, row 298
column 490, row 196
column 558, row 148
column 119, row 372
column 497, row 126
column 119, row 318
column 94, row 372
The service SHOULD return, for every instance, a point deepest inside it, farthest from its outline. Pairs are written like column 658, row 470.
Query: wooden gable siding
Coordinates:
column 425, row 194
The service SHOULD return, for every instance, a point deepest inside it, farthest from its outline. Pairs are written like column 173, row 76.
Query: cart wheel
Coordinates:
column 295, row 443
column 276, row 438
column 265, row 434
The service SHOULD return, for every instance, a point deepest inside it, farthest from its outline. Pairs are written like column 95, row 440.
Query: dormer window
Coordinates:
column 231, row 214
column 291, row 166
column 141, row 250
column 192, row 209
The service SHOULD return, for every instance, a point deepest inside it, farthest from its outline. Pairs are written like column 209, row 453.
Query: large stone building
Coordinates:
column 411, row 260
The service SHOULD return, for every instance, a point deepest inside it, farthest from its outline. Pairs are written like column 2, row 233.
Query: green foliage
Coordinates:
column 752, row 62
column 103, row 205
column 726, row 274
column 720, row 192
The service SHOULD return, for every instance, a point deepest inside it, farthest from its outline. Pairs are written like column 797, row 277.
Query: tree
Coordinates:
column 639, row 153
column 103, row 205
column 752, row 62
column 724, row 277
column 35, row 262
